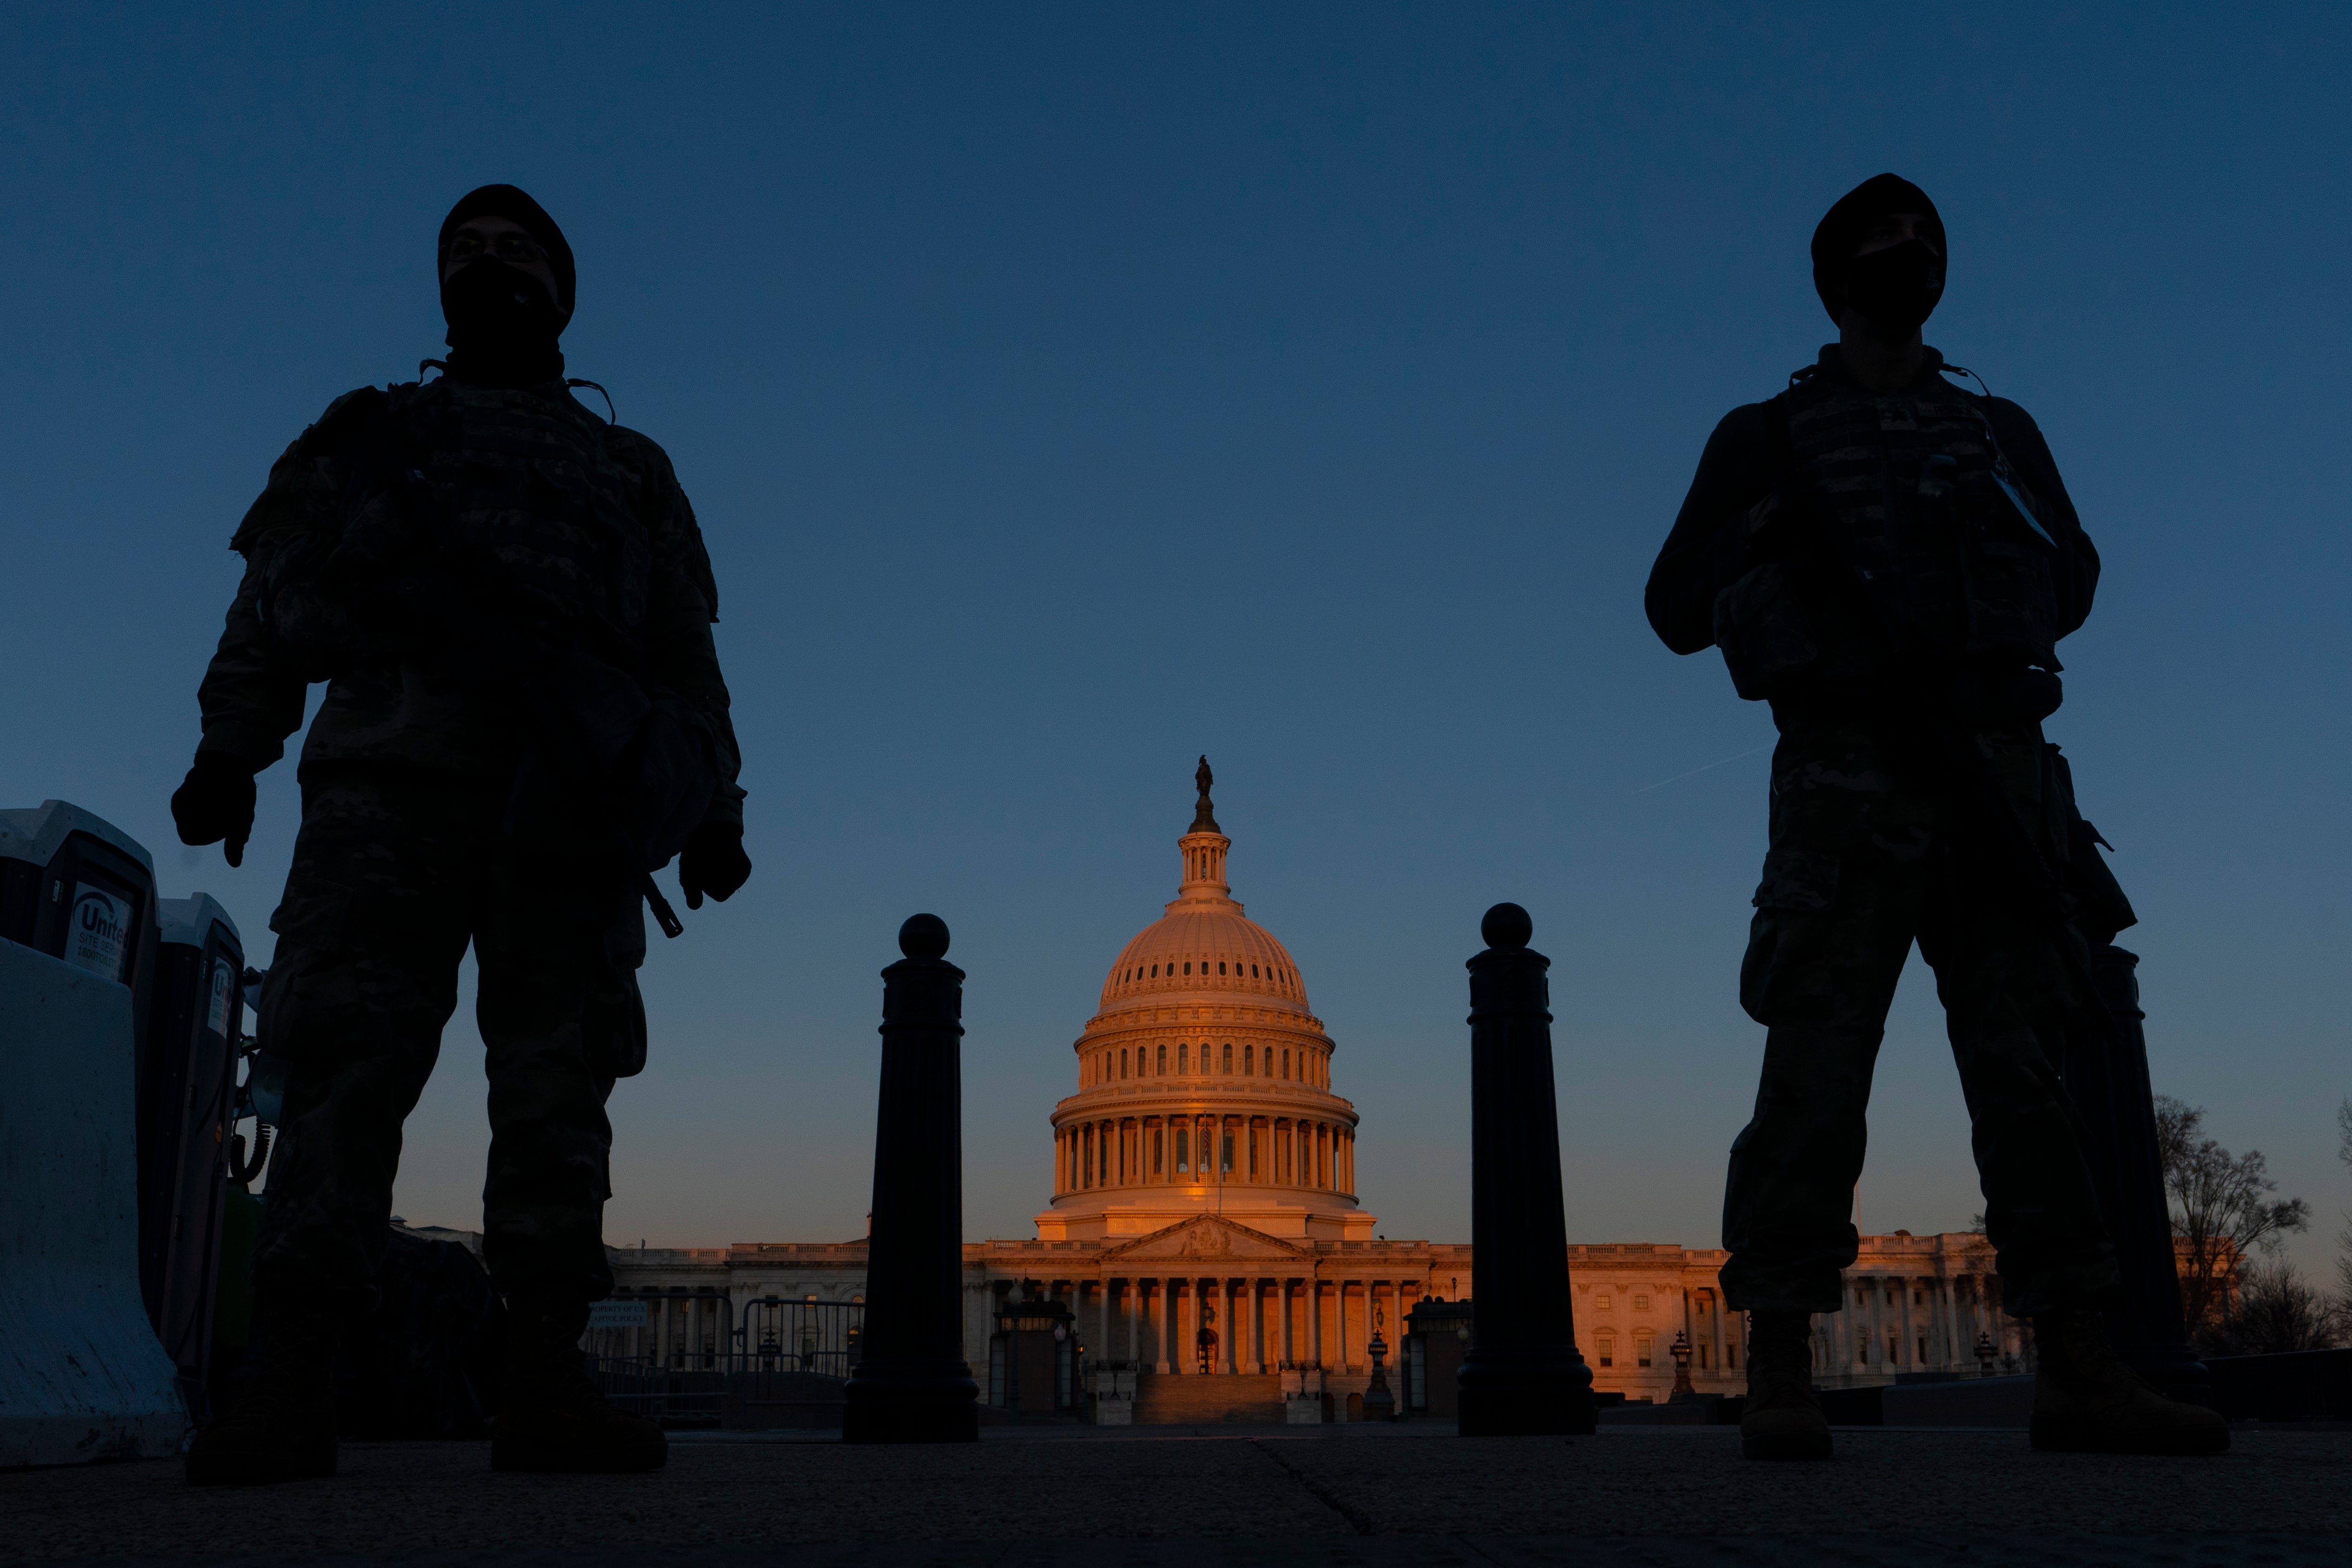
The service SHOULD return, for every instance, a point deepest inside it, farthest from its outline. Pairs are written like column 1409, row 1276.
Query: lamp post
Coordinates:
column 1379, row 1404
column 1681, row 1351
column 1524, row 1376
column 1985, row 1354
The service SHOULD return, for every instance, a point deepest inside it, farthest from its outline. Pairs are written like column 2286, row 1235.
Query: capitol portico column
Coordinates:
column 1228, row 1342
column 1283, row 1290
column 1315, row 1320
column 1106, row 1341
column 1244, row 1299
column 1180, row 1340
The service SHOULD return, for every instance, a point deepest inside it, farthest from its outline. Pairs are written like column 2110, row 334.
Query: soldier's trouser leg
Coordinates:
column 557, row 1017
column 2009, row 992
column 1825, row 948
column 371, row 931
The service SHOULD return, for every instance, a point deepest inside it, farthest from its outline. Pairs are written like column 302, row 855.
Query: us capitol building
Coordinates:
column 1204, row 1229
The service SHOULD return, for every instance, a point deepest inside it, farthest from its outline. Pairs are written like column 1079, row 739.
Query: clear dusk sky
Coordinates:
column 1068, row 392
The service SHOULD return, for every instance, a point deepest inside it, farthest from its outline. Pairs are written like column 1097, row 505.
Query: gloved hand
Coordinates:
column 713, row 861
column 216, row 803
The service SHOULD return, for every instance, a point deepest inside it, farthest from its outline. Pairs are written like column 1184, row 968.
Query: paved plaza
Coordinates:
column 1140, row 1498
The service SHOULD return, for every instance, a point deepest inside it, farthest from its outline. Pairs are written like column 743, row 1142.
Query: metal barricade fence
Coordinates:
column 790, row 1361
column 781, row 1335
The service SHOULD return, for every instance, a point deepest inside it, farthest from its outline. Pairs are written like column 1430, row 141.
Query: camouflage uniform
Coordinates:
column 1855, row 558
column 404, row 854
column 1860, row 866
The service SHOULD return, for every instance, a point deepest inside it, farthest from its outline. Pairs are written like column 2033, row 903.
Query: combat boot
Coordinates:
column 282, row 1427
column 1782, row 1418
column 2086, row 1401
column 551, row 1417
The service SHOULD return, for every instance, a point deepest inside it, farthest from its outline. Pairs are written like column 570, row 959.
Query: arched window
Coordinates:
column 1155, row 971
column 1122, row 1063
column 1228, row 1066
column 1161, row 1062
column 1183, row 1057
column 1285, row 1063
column 1188, row 966
column 1249, row 1060
column 1221, row 966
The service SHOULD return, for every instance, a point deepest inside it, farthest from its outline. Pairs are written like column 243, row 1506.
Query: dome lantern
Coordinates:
column 1204, row 846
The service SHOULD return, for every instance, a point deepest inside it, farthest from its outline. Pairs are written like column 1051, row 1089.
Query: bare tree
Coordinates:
column 2343, row 1241
column 2280, row 1310
column 2221, row 1211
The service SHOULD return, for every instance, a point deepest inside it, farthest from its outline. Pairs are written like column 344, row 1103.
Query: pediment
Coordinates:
column 1206, row 1239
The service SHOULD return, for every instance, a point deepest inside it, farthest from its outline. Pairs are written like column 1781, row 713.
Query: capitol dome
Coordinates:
column 1203, row 1078
column 1204, row 948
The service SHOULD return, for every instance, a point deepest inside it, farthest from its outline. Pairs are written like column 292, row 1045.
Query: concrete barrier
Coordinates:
column 82, row 1374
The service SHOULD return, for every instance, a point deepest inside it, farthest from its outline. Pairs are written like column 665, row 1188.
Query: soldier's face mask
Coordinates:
column 502, row 324
column 1897, row 287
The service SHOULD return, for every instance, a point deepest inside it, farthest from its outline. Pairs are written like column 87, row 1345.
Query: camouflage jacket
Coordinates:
column 404, row 694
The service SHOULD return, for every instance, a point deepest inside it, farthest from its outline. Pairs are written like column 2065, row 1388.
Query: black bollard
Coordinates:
column 911, row 1384
column 2106, row 1077
column 1524, row 1377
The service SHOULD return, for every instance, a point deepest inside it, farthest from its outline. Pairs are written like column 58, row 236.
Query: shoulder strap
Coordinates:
column 2004, row 472
column 1779, row 446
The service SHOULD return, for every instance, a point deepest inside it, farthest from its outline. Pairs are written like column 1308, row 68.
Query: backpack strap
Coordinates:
column 1780, row 445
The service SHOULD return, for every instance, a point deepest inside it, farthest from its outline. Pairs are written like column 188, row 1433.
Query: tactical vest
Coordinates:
column 1924, row 559
column 531, row 491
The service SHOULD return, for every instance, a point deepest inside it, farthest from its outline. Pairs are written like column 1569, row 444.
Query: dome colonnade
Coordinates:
column 1205, row 1080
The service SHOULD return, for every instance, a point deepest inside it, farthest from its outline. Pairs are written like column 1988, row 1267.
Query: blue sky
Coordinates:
column 1068, row 392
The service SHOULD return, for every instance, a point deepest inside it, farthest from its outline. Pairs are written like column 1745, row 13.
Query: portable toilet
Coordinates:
column 196, row 1015
column 77, row 887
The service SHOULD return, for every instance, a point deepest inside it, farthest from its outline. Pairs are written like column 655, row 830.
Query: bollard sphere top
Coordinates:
column 923, row 936
column 1507, row 926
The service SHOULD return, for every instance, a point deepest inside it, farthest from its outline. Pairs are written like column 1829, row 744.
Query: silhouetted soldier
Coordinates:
column 1889, row 561
column 511, row 603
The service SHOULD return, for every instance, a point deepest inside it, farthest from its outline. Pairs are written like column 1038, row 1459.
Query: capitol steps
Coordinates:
column 1171, row 1399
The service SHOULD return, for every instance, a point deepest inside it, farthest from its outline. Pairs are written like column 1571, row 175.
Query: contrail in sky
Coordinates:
column 1694, row 772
